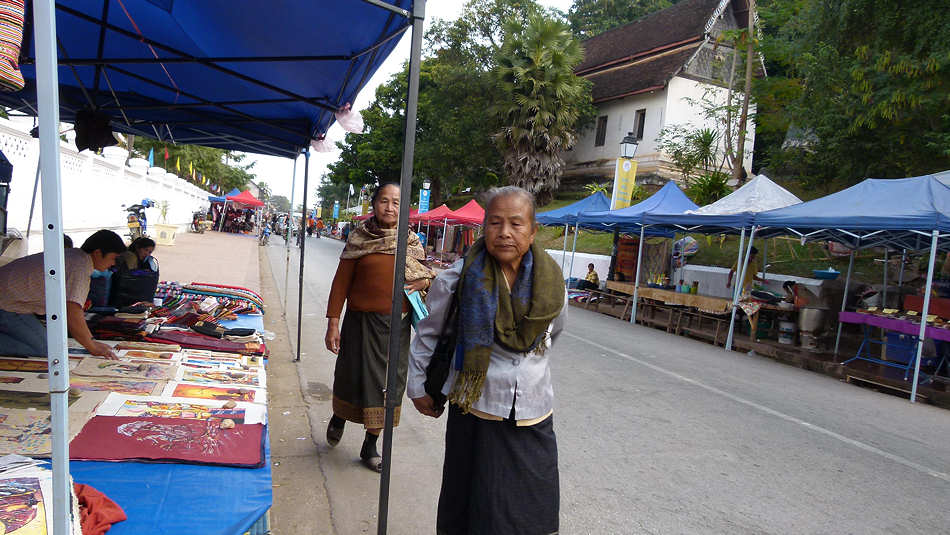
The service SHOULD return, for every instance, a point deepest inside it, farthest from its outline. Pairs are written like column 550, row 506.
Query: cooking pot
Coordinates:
column 811, row 319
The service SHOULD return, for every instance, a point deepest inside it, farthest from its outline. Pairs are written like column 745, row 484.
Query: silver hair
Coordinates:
column 508, row 191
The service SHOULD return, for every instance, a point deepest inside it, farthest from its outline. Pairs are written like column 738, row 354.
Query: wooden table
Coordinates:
column 704, row 303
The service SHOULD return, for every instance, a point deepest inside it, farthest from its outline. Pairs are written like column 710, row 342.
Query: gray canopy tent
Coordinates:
column 157, row 68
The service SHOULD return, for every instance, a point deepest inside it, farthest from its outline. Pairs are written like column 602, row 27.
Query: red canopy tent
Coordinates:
column 470, row 214
column 436, row 215
column 246, row 198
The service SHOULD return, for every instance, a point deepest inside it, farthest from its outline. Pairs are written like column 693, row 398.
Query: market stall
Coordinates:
column 238, row 87
column 567, row 216
column 908, row 215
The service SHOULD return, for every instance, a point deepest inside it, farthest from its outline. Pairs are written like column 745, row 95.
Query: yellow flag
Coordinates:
column 191, row 170
column 178, row 164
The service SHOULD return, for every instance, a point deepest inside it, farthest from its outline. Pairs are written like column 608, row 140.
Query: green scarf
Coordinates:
column 489, row 312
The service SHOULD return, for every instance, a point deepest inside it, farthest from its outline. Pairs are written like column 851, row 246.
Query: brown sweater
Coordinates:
column 365, row 284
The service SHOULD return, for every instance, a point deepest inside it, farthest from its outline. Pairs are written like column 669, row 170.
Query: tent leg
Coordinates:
column 303, row 250
column 224, row 211
column 636, row 278
column 564, row 250
column 445, row 229
column 884, row 289
column 29, row 223
column 765, row 257
column 290, row 220
column 923, row 314
column 900, row 278
column 738, row 261
column 47, row 93
column 570, row 270
column 395, row 317
column 844, row 300
column 738, row 292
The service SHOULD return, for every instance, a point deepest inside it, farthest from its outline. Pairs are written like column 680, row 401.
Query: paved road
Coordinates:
column 661, row 434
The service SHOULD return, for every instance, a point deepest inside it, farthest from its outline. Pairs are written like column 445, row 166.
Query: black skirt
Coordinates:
column 498, row 479
column 360, row 374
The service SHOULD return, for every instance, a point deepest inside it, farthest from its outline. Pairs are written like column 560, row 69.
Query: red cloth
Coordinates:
column 193, row 340
column 123, row 438
column 97, row 512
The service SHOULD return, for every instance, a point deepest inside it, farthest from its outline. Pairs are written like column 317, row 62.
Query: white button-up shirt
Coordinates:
column 519, row 380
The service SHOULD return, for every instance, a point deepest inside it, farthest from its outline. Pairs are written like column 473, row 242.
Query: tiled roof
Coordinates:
column 650, row 73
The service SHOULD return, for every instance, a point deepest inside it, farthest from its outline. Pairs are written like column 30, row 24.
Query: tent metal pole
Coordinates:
column 738, row 292
column 900, row 277
column 738, row 260
column 303, row 250
column 564, row 251
column 224, row 213
column 923, row 314
column 765, row 257
column 395, row 317
column 29, row 223
column 844, row 299
column 47, row 95
column 570, row 270
column 445, row 229
column 636, row 278
column 290, row 221
column 884, row 289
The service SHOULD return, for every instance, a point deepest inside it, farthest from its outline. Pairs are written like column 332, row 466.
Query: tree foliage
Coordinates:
column 592, row 17
column 221, row 167
column 865, row 84
column 281, row 203
column 543, row 102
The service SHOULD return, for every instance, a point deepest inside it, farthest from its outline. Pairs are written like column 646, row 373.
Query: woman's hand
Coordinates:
column 418, row 285
column 426, row 406
column 332, row 338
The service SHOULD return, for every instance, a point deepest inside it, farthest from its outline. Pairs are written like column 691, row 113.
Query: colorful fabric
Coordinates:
column 369, row 238
column 593, row 278
column 97, row 512
column 192, row 340
column 489, row 312
column 11, row 38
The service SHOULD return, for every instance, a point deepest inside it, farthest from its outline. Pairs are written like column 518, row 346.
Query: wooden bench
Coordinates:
column 609, row 300
column 702, row 325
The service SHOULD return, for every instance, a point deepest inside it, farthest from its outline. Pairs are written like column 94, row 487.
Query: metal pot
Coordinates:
column 811, row 319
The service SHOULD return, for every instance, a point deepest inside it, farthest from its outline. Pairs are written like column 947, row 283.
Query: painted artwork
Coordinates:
column 116, row 438
column 221, row 377
column 23, row 365
column 122, row 386
column 22, row 511
column 143, row 354
column 190, row 409
column 222, row 393
column 24, row 432
column 14, row 399
column 124, row 370
column 7, row 380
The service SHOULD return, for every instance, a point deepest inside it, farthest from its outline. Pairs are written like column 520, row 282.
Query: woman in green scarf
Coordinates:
column 364, row 280
column 500, row 474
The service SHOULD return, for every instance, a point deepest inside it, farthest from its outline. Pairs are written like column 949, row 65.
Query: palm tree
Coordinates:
column 544, row 101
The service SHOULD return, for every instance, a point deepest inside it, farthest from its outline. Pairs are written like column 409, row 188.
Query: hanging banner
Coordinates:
column 364, row 208
column 336, row 209
column 625, row 178
column 424, row 200
column 319, row 212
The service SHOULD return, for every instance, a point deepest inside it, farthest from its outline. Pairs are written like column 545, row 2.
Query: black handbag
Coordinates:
column 438, row 369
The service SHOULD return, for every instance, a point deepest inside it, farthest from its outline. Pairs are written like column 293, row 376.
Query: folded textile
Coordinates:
column 97, row 512
column 193, row 340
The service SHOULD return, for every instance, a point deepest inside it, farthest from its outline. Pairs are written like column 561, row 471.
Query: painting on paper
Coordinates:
column 22, row 511
column 222, row 393
column 122, row 386
column 115, row 438
column 221, row 377
column 144, row 354
column 15, row 399
column 189, row 409
column 24, row 432
column 94, row 367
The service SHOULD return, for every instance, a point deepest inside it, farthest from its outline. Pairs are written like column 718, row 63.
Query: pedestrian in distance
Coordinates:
column 364, row 281
column 500, row 473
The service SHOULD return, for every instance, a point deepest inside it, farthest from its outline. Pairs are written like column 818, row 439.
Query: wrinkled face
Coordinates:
column 386, row 206
column 102, row 262
column 145, row 252
column 509, row 228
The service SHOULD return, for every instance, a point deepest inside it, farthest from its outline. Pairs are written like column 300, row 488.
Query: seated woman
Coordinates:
column 591, row 282
column 139, row 256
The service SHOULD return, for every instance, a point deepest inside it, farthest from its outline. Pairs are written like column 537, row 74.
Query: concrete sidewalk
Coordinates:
column 300, row 502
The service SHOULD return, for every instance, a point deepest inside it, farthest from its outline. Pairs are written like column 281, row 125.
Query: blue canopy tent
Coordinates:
column 669, row 199
column 899, row 213
column 567, row 215
column 222, row 74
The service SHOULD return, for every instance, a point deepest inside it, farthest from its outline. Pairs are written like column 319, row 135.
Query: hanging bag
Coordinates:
column 438, row 369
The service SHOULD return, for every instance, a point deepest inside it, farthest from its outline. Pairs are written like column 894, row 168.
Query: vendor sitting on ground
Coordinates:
column 139, row 255
column 591, row 281
column 23, row 297
column 751, row 273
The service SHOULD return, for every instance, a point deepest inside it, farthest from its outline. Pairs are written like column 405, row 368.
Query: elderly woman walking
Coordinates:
column 364, row 281
column 500, row 473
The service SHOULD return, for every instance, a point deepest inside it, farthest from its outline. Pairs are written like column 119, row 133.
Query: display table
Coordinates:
column 704, row 303
column 902, row 326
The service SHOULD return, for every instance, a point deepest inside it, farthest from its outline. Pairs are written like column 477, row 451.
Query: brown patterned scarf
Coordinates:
column 369, row 238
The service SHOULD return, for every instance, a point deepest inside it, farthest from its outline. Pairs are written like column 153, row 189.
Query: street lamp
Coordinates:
column 426, row 184
column 628, row 146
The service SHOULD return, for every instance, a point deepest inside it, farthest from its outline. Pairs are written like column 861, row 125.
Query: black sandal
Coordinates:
column 373, row 462
column 335, row 432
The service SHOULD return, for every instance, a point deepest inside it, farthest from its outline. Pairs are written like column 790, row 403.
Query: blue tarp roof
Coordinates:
column 235, row 74
column 897, row 212
column 567, row 215
column 222, row 198
column 669, row 199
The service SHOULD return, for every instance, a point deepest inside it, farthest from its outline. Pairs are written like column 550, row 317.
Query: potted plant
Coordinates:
column 164, row 233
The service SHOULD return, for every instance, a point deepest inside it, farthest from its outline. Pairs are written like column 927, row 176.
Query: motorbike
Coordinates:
column 136, row 219
column 197, row 222
column 265, row 235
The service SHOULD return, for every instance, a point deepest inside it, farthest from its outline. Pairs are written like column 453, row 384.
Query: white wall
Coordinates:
column 601, row 263
column 620, row 120
column 679, row 110
column 94, row 190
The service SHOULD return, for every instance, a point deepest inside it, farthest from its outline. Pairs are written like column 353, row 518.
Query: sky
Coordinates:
column 278, row 172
